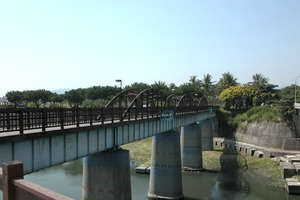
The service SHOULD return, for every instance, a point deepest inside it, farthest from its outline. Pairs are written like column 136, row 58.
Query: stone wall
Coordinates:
column 296, row 119
column 268, row 134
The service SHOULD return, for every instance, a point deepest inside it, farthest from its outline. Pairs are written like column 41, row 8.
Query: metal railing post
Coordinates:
column 91, row 116
column 112, row 114
column 44, row 120
column 8, row 120
column 21, row 123
column 61, row 117
column 77, row 117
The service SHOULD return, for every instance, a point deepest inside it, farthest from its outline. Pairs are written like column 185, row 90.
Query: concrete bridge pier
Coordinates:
column 165, row 175
column 207, row 134
column 191, row 147
column 106, row 175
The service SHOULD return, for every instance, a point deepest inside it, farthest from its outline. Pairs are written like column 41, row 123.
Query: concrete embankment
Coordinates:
column 279, row 135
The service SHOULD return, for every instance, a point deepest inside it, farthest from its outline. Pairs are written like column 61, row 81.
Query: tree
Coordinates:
column 15, row 97
column 207, row 85
column 238, row 96
column 101, row 92
column 189, row 89
column 137, row 86
column 194, row 80
column 226, row 81
column 259, row 80
column 57, row 98
column 162, row 87
column 75, row 97
column 289, row 92
column 172, row 86
column 37, row 97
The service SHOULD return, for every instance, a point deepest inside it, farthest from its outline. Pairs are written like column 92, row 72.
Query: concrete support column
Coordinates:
column 191, row 148
column 215, row 127
column 165, row 175
column 207, row 134
column 106, row 175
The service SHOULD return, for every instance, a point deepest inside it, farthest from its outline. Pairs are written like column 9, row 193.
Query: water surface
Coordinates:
column 227, row 185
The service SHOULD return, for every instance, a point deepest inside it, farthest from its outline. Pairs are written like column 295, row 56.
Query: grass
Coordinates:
column 140, row 152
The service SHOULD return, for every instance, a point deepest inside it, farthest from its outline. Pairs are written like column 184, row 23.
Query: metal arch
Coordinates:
column 180, row 100
column 202, row 102
column 185, row 97
column 134, row 101
column 111, row 102
column 168, row 99
column 121, row 99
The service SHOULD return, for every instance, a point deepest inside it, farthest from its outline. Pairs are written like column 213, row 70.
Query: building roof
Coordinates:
column 3, row 100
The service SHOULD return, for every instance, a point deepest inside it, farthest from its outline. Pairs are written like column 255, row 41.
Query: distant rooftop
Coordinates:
column 3, row 100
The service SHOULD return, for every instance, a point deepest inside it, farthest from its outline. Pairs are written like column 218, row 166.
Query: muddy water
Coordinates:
column 229, row 184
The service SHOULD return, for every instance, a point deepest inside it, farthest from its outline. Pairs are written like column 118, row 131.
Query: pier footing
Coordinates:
column 106, row 175
column 165, row 175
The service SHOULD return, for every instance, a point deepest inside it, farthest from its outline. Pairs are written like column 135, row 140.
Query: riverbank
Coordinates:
column 140, row 152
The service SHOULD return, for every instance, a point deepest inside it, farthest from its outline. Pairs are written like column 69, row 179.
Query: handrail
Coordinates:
column 43, row 118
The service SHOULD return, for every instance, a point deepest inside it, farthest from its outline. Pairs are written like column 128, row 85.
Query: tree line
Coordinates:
column 227, row 91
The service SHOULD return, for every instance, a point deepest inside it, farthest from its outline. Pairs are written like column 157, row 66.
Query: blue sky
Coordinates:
column 71, row 44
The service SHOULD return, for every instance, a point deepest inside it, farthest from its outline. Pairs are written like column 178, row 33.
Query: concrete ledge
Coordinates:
column 295, row 160
column 251, row 152
column 292, row 186
column 259, row 154
column 297, row 167
column 188, row 169
column 287, row 170
column 268, row 152
column 141, row 169
column 282, row 159
column 157, row 197
column 148, row 170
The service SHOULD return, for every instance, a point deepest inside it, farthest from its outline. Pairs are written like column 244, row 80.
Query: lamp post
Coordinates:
column 296, row 88
column 119, row 81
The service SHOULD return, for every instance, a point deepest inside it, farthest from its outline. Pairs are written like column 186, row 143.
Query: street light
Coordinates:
column 119, row 81
column 295, row 88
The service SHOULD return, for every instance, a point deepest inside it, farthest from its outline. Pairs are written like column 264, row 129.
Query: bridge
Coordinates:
column 44, row 137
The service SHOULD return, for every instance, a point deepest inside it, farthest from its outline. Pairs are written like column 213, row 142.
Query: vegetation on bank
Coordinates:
column 140, row 152
column 234, row 119
column 226, row 92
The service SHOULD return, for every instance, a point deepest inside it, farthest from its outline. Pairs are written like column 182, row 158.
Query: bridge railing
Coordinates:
column 42, row 118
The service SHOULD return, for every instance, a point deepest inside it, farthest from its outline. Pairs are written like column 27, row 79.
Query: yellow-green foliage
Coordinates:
column 238, row 96
column 245, row 96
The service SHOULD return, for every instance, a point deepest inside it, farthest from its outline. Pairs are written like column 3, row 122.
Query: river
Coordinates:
column 228, row 185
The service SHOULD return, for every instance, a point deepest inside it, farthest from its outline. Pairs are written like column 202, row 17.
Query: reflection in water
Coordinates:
column 73, row 168
column 231, row 183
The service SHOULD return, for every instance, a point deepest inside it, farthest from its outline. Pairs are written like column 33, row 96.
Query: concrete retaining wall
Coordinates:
column 296, row 119
column 268, row 134
column 291, row 144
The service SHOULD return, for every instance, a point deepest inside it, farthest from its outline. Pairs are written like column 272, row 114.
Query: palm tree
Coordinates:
column 227, row 81
column 207, row 84
column 259, row 80
column 162, row 87
column 172, row 86
column 194, row 80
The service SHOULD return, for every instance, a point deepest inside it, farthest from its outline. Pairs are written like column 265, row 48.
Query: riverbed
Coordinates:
column 227, row 185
